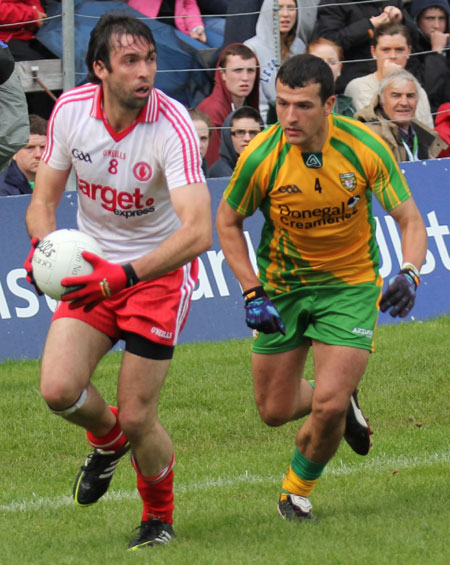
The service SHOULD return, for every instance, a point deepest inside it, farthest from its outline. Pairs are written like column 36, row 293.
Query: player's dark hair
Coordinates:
column 301, row 70
column 108, row 26
column 391, row 28
column 38, row 125
column 247, row 112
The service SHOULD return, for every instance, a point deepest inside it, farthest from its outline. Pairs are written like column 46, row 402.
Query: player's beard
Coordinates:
column 127, row 98
column 132, row 103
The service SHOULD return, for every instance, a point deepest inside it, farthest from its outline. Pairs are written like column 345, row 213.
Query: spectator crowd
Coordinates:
column 390, row 61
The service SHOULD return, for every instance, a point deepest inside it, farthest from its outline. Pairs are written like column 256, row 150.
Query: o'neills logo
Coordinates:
column 161, row 333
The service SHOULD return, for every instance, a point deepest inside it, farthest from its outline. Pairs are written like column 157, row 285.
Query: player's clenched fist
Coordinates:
column 260, row 313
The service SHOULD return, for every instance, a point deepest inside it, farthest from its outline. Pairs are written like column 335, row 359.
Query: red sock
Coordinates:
column 156, row 493
column 113, row 441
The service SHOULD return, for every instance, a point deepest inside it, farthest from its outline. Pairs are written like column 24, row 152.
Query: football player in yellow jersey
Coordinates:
column 318, row 286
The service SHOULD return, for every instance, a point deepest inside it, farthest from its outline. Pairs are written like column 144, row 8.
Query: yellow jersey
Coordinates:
column 319, row 228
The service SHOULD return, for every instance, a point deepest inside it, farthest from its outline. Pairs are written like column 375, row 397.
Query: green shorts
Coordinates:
column 335, row 315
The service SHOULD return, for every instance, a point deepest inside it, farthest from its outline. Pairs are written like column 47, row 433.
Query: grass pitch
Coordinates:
column 391, row 507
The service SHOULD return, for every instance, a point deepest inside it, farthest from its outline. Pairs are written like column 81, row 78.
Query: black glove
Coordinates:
column 260, row 313
column 401, row 292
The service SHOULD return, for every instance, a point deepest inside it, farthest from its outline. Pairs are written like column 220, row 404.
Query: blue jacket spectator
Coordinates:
column 240, row 127
column 19, row 177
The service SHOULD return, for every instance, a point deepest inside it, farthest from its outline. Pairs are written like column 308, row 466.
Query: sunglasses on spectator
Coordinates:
column 243, row 132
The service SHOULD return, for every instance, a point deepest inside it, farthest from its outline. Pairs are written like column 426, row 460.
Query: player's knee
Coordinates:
column 328, row 413
column 272, row 414
column 134, row 423
column 63, row 400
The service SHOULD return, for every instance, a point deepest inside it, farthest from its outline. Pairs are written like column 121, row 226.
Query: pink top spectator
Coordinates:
column 183, row 8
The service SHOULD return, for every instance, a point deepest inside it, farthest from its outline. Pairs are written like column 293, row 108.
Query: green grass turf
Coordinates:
column 391, row 507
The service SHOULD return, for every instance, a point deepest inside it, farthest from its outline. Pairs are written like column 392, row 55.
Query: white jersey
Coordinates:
column 124, row 179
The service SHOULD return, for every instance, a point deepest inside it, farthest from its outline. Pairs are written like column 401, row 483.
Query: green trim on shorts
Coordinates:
column 335, row 315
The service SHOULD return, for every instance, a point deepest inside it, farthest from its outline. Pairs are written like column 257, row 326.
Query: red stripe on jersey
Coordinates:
column 191, row 153
column 77, row 94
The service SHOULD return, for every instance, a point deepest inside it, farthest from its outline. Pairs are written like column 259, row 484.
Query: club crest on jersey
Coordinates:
column 348, row 181
column 312, row 160
column 142, row 171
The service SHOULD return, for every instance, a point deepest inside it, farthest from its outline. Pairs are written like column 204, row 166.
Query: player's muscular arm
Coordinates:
column 234, row 245
column 48, row 190
column 414, row 235
column 193, row 206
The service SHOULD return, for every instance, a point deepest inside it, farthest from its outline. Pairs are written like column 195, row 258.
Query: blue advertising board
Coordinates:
column 217, row 306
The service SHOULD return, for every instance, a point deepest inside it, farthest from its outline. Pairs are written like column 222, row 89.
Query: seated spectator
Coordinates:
column 184, row 15
column 332, row 54
column 391, row 47
column 392, row 116
column 443, row 127
column 263, row 44
column 240, row 127
column 236, row 84
column 352, row 25
column 19, row 23
column 14, row 125
column 202, row 124
column 19, row 177
column 432, row 19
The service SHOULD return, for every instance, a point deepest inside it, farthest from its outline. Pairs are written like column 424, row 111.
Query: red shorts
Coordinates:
column 157, row 310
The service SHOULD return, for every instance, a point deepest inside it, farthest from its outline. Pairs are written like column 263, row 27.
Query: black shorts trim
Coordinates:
column 143, row 347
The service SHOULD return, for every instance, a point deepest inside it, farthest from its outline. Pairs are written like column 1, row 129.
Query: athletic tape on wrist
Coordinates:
column 413, row 271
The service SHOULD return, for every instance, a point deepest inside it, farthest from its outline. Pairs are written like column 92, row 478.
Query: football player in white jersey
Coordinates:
column 143, row 196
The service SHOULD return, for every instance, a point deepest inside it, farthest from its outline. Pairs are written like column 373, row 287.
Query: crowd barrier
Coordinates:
column 217, row 309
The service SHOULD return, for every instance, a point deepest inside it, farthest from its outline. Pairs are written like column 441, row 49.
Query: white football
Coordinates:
column 58, row 255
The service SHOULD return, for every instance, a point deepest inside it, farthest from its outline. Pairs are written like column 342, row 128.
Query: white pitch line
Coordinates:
column 339, row 468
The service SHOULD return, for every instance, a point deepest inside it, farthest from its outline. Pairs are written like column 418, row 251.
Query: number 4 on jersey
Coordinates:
column 318, row 186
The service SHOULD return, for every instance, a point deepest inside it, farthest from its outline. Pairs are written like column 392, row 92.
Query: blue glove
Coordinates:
column 260, row 313
column 400, row 293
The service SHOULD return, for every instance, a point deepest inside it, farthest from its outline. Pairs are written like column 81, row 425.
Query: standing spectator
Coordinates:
column 239, row 128
column 183, row 14
column 263, row 44
column 202, row 124
column 14, row 125
column 236, row 84
column 19, row 177
column 392, row 116
column 318, row 285
column 240, row 23
column 432, row 19
column 391, row 47
column 352, row 25
column 332, row 54
column 142, row 196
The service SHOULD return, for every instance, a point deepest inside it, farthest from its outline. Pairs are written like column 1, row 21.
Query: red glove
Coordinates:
column 106, row 279
column 28, row 266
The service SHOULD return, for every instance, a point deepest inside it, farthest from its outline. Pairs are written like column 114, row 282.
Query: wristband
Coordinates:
column 253, row 293
column 413, row 271
column 132, row 277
